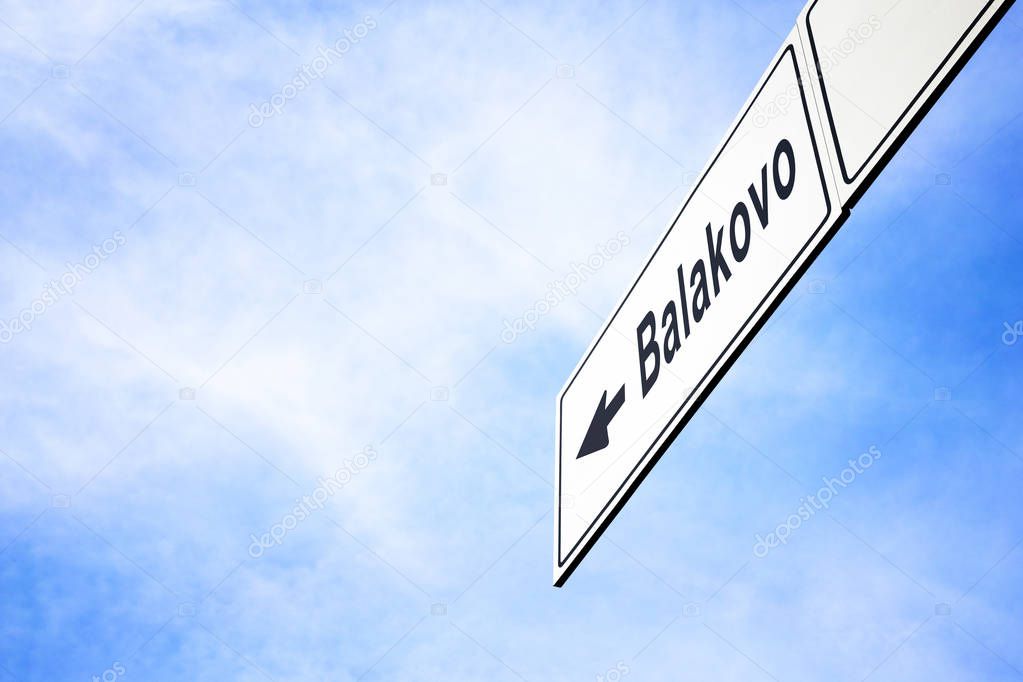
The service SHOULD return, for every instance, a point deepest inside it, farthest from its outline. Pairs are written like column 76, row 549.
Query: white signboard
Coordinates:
column 846, row 89
column 752, row 223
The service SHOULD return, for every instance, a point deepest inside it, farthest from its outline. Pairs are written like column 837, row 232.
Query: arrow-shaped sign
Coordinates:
column 596, row 435
column 845, row 90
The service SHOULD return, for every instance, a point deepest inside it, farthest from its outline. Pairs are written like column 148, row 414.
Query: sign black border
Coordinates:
column 719, row 368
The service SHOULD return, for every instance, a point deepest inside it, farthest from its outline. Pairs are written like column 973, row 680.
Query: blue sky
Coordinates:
column 254, row 308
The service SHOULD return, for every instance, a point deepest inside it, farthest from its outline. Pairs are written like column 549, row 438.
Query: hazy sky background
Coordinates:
column 272, row 300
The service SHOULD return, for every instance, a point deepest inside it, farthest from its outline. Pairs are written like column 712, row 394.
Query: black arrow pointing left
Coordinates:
column 596, row 436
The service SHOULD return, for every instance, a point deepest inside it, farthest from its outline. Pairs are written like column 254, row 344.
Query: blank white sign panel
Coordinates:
column 879, row 61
